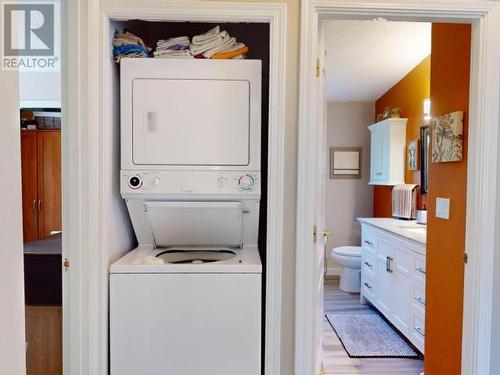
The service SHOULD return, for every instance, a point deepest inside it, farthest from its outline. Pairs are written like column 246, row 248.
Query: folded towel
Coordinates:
column 226, row 46
column 129, row 50
column 185, row 53
column 172, row 43
column 231, row 54
column 125, row 38
column 219, row 40
column 203, row 38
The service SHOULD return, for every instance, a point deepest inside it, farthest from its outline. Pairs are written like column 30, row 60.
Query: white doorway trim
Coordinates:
column 86, row 99
column 482, row 161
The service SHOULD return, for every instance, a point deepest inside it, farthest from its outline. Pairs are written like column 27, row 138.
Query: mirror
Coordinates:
column 425, row 139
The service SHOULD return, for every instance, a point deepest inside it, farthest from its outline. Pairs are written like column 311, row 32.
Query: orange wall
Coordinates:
column 450, row 68
column 408, row 94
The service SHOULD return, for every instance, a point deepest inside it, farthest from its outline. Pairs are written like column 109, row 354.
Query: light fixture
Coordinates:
column 427, row 109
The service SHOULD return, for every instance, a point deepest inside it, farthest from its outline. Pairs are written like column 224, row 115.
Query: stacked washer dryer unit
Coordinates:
column 187, row 300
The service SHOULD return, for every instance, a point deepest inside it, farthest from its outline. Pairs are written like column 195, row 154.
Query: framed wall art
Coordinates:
column 345, row 162
column 447, row 138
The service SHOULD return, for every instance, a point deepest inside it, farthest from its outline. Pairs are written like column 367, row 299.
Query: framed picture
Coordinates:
column 412, row 156
column 447, row 138
column 345, row 162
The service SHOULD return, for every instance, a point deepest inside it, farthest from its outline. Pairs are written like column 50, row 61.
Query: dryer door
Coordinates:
column 191, row 122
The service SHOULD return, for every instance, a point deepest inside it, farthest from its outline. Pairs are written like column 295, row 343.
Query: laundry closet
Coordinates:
column 189, row 187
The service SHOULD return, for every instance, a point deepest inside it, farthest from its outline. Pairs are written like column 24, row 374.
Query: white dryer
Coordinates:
column 187, row 300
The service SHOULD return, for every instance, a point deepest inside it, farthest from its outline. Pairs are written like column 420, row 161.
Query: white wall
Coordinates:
column 348, row 199
column 43, row 89
column 40, row 89
column 12, row 338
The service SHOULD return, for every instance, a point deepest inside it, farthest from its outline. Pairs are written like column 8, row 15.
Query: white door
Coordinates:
column 385, row 280
column 401, row 267
column 322, row 233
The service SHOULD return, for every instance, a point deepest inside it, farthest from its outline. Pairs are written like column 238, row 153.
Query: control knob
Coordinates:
column 246, row 182
column 135, row 182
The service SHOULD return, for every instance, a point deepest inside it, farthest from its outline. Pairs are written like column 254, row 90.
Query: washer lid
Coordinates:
column 195, row 223
column 348, row 251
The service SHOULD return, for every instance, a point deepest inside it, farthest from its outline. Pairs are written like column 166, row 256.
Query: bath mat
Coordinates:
column 366, row 335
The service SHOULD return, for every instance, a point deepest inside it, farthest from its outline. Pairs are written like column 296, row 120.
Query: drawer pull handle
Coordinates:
column 420, row 269
column 378, row 174
column 388, row 261
column 368, row 286
column 419, row 330
column 420, row 299
column 368, row 243
column 369, row 265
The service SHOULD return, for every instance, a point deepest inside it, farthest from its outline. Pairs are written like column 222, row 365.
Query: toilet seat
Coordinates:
column 348, row 251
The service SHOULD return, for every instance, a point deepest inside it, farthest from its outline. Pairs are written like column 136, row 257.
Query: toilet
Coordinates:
column 349, row 259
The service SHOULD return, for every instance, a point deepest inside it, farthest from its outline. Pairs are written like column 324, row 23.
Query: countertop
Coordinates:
column 408, row 229
column 47, row 245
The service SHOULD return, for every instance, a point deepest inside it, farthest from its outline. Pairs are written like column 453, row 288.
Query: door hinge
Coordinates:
column 318, row 68
column 66, row 264
column 466, row 258
column 315, row 233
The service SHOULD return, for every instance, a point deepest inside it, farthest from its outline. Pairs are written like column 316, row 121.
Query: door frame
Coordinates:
column 85, row 94
column 481, row 164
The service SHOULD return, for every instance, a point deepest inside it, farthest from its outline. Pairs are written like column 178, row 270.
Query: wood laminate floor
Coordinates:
column 335, row 359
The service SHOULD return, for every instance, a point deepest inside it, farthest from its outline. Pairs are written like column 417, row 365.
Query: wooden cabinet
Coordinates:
column 43, row 340
column 393, row 280
column 387, row 155
column 41, row 177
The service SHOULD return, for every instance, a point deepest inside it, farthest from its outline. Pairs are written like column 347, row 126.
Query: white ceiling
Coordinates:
column 366, row 58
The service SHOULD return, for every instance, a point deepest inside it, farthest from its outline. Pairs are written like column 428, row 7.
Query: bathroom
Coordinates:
column 383, row 176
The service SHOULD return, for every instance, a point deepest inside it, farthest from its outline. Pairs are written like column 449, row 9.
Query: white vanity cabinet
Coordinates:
column 393, row 278
column 387, row 155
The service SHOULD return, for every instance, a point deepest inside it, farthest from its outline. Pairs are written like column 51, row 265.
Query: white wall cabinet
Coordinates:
column 387, row 156
column 393, row 280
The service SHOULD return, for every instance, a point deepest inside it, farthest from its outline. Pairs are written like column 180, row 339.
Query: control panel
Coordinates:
column 185, row 182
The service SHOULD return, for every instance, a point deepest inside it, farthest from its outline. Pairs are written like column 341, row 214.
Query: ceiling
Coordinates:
column 366, row 58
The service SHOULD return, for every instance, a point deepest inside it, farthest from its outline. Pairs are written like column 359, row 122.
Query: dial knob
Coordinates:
column 135, row 182
column 246, row 182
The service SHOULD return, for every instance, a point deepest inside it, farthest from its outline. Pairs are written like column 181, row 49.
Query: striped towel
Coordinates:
column 404, row 201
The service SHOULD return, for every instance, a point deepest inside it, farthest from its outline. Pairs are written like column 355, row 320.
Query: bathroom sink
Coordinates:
column 413, row 227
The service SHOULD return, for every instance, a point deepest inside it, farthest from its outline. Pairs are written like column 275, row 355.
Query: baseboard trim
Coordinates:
column 333, row 271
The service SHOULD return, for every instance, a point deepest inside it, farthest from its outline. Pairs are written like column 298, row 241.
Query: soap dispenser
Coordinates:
column 422, row 215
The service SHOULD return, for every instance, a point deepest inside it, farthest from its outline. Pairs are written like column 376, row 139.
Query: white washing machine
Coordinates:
column 188, row 309
column 188, row 299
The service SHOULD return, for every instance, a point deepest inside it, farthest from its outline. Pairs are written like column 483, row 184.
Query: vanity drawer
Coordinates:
column 368, row 266
column 368, row 287
column 418, row 299
column 419, row 267
column 369, row 242
column 418, row 331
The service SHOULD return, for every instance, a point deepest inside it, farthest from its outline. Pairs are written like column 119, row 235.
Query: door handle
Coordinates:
column 326, row 234
column 39, row 205
column 34, row 205
column 388, row 264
